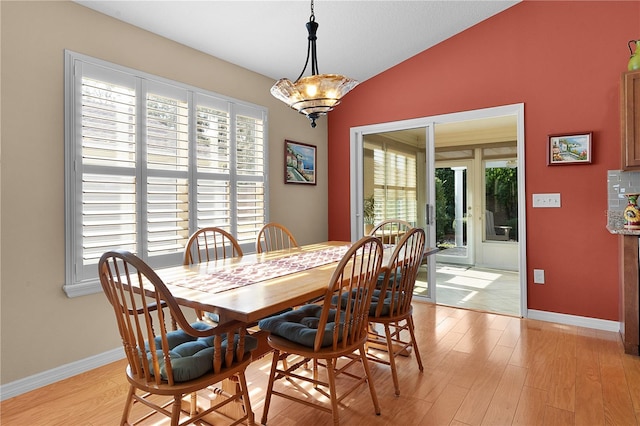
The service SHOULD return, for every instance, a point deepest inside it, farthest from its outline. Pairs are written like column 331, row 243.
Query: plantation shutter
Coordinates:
column 107, row 159
column 150, row 161
column 250, row 154
column 395, row 183
column 167, row 167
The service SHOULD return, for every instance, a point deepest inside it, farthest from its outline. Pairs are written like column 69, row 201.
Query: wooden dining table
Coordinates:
column 255, row 286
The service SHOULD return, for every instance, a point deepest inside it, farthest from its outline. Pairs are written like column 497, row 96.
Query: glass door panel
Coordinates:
column 454, row 232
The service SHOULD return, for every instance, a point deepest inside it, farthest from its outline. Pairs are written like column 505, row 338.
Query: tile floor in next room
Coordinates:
column 471, row 287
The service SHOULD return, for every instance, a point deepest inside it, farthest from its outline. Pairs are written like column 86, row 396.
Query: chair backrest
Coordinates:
column 348, row 296
column 489, row 223
column 210, row 244
column 390, row 231
column 142, row 321
column 399, row 280
column 274, row 236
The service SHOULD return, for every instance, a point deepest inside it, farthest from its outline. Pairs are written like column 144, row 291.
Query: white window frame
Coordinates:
column 79, row 279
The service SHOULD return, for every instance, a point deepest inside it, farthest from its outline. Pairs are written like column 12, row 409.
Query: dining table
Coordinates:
column 255, row 286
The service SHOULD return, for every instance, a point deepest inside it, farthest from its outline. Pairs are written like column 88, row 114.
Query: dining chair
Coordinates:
column 210, row 243
column 274, row 236
column 391, row 230
column 331, row 333
column 391, row 304
column 167, row 367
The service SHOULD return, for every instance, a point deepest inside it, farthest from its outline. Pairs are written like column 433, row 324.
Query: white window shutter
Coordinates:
column 149, row 161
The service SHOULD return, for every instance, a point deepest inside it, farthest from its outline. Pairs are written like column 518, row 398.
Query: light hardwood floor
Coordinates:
column 480, row 369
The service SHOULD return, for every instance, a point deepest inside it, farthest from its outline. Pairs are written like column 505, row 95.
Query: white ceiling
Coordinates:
column 359, row 39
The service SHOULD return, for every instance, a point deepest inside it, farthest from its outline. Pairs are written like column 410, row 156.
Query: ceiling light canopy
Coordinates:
column 317, row 94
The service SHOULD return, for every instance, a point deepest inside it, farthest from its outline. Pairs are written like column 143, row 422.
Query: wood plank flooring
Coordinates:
column 480, row 369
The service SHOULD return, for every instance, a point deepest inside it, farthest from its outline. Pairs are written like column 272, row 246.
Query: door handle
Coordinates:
column 428, row 213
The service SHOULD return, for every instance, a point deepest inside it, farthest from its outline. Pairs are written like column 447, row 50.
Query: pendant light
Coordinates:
column 317, row 94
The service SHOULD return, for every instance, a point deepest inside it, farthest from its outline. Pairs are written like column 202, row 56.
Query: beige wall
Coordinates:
column 40, row 327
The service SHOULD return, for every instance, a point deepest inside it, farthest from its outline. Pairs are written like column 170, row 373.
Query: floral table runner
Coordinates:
column 242, row 275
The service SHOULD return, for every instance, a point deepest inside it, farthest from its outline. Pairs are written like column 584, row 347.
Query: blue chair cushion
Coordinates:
column 301, row 325
column 392, row 279
column 387, row 301
column 192, row 357
column 377, row 298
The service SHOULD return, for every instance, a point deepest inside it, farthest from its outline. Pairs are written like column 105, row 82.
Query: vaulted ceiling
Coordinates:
column 359, row 39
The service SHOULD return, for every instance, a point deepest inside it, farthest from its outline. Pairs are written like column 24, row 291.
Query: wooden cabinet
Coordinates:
column 630, row 120
column 629, row 297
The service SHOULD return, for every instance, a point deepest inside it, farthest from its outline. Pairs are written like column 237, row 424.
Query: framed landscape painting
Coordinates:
column 299, row 163
column 569, row 149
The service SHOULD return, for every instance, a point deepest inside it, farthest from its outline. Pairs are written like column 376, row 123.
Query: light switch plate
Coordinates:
column 546, row 200
column 538, row 276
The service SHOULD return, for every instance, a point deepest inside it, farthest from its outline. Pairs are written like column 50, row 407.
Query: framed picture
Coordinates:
column 299, row 163
column 570, row 148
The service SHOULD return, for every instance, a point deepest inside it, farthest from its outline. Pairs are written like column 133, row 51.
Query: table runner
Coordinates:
column 242, row 275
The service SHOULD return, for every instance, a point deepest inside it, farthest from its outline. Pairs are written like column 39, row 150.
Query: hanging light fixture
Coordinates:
column 317, row 94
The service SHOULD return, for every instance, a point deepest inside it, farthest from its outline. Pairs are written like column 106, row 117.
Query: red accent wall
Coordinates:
column 563, row 60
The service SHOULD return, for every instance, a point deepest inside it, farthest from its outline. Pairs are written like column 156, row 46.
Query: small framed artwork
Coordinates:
column 299, row 163
column 569, row 148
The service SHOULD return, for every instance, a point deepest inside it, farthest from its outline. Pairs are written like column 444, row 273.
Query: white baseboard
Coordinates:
column 36, row 381
column 598, row 324
column 65, row 371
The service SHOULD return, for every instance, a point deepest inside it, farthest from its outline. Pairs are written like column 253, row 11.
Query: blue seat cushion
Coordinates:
column 378, row 298
column 392, row 279
column 192, row 357
column 301, row 325
column 387, row 299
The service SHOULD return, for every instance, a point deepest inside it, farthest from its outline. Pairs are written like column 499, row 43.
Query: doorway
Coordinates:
column 443, row 146
column 454, row 212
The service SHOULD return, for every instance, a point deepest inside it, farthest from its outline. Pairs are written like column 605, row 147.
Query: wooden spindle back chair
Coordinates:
column 334, row 329
column 171, row 364
column 211, row 243
column 391, row 305
column 390, row 231
column 274, row 236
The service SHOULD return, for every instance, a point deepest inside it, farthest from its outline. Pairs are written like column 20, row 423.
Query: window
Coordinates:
column 501, row 200
column 394, row 184
column 149, row 161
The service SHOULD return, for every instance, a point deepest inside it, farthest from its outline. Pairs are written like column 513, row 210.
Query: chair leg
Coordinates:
column 367, row 372
column 176, row 409
column 246, row 402
column 272, row 376
column 127, row 406
column 193, row 407
column 414, row 343
column 392, row 358
column 332, row 391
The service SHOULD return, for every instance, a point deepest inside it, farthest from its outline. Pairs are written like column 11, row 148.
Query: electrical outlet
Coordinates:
column 538, row 276
column 546, row 200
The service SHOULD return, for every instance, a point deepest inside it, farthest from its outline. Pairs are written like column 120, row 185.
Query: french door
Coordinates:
column 421, row 134
column 392, row 166
column 455, row 212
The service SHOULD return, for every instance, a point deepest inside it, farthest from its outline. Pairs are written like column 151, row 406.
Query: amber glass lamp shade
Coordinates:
column 314, row 95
